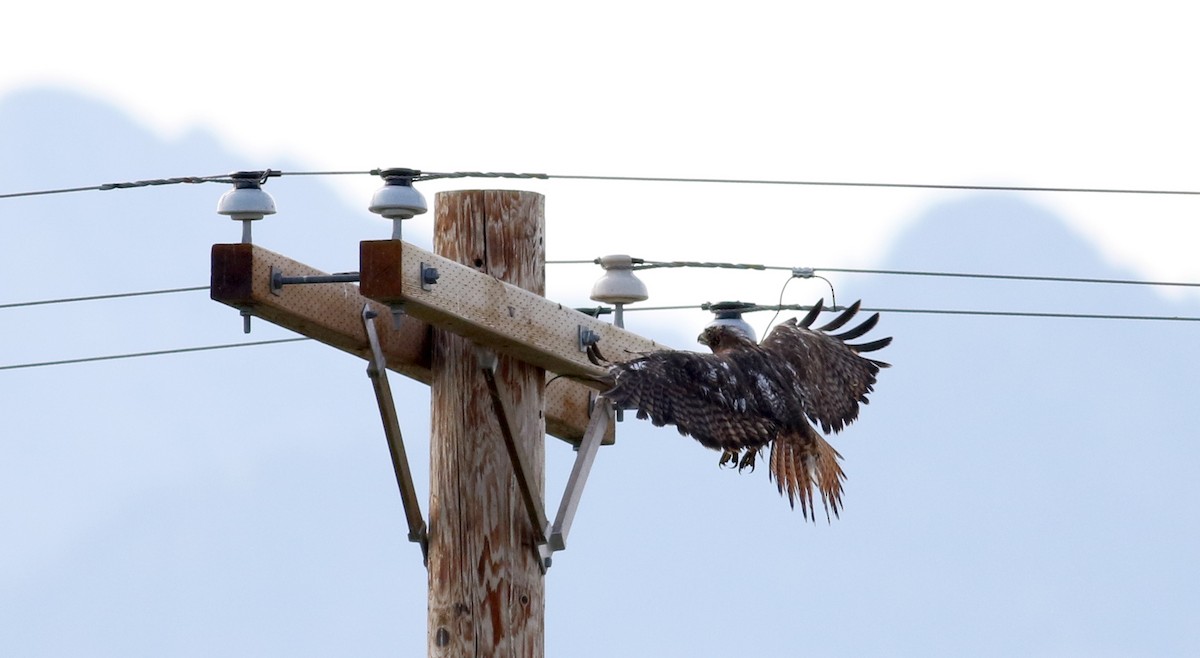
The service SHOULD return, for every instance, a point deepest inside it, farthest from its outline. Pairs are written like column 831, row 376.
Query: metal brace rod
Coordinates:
column 602, row 417
column 278, row 280
column 377, row 371
column 533, row 504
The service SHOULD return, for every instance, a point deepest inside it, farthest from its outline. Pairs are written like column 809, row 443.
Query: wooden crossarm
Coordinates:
column 490, row 312
column 332, row 314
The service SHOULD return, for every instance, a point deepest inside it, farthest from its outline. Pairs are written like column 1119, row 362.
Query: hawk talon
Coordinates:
column 729, row 457
column 748, row 460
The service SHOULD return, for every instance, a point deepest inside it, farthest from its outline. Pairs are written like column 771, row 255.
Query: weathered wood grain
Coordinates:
column 486, row 593
column 486, row 309
column 332, row 313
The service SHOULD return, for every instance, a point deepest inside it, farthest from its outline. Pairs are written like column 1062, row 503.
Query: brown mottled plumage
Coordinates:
column 747, row 396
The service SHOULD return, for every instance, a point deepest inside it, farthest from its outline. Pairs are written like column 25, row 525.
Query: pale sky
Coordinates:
column 1057, row 94
column 174, row 473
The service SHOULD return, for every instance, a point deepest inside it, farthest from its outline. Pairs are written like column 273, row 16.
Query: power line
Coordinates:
column 133, row 355
column 150, row 182
column 655, row 264
column 425, row 176
column 827, row 183
column 481, row 174
column 118, row 295
column 266, row 173
column 353, row 172
column 601, row 310
column 808, row 272
column 1035, row 314
column 924, row 311
column 1015, row 277
column 798, row 272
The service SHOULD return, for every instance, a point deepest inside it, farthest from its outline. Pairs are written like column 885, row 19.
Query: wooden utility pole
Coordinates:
column 486, row 592
column 483, row 288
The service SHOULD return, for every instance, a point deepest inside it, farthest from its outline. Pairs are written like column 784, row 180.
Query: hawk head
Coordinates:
column 722, row 337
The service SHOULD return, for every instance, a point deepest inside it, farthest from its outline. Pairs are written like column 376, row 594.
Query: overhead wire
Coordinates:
column 149, row 182
column 783, row 289
column 831, row 183
column 798, row 272
column 265, row 174
column 133, row 355
column 90, row 298
column 594, row 311
column 424, row 176
column 931, row 311
column 1037, row 314
column 807, row 272
column 601, row 310
column 1012, row 277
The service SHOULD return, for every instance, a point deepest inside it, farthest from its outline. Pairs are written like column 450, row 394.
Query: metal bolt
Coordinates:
column 429, row 276
column 587, row 337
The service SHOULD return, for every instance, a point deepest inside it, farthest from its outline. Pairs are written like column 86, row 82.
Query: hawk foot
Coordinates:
column 748, row 461
column 728, row 458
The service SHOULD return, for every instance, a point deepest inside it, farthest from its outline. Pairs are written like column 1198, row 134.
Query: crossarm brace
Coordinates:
column 602, row 418
column 549, row 538
column 377, row 371
column 533, row 504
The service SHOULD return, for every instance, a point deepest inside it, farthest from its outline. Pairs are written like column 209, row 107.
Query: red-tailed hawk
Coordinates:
column 746, row 396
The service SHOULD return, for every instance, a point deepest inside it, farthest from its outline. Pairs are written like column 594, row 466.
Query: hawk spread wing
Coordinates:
column 746, row 396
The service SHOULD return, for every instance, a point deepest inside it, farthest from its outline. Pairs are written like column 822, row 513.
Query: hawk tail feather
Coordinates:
column 804, row 459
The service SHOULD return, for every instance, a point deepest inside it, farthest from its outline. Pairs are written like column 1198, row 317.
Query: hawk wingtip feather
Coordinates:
column 842, row 319
column 867, row 325
column 813, row 313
